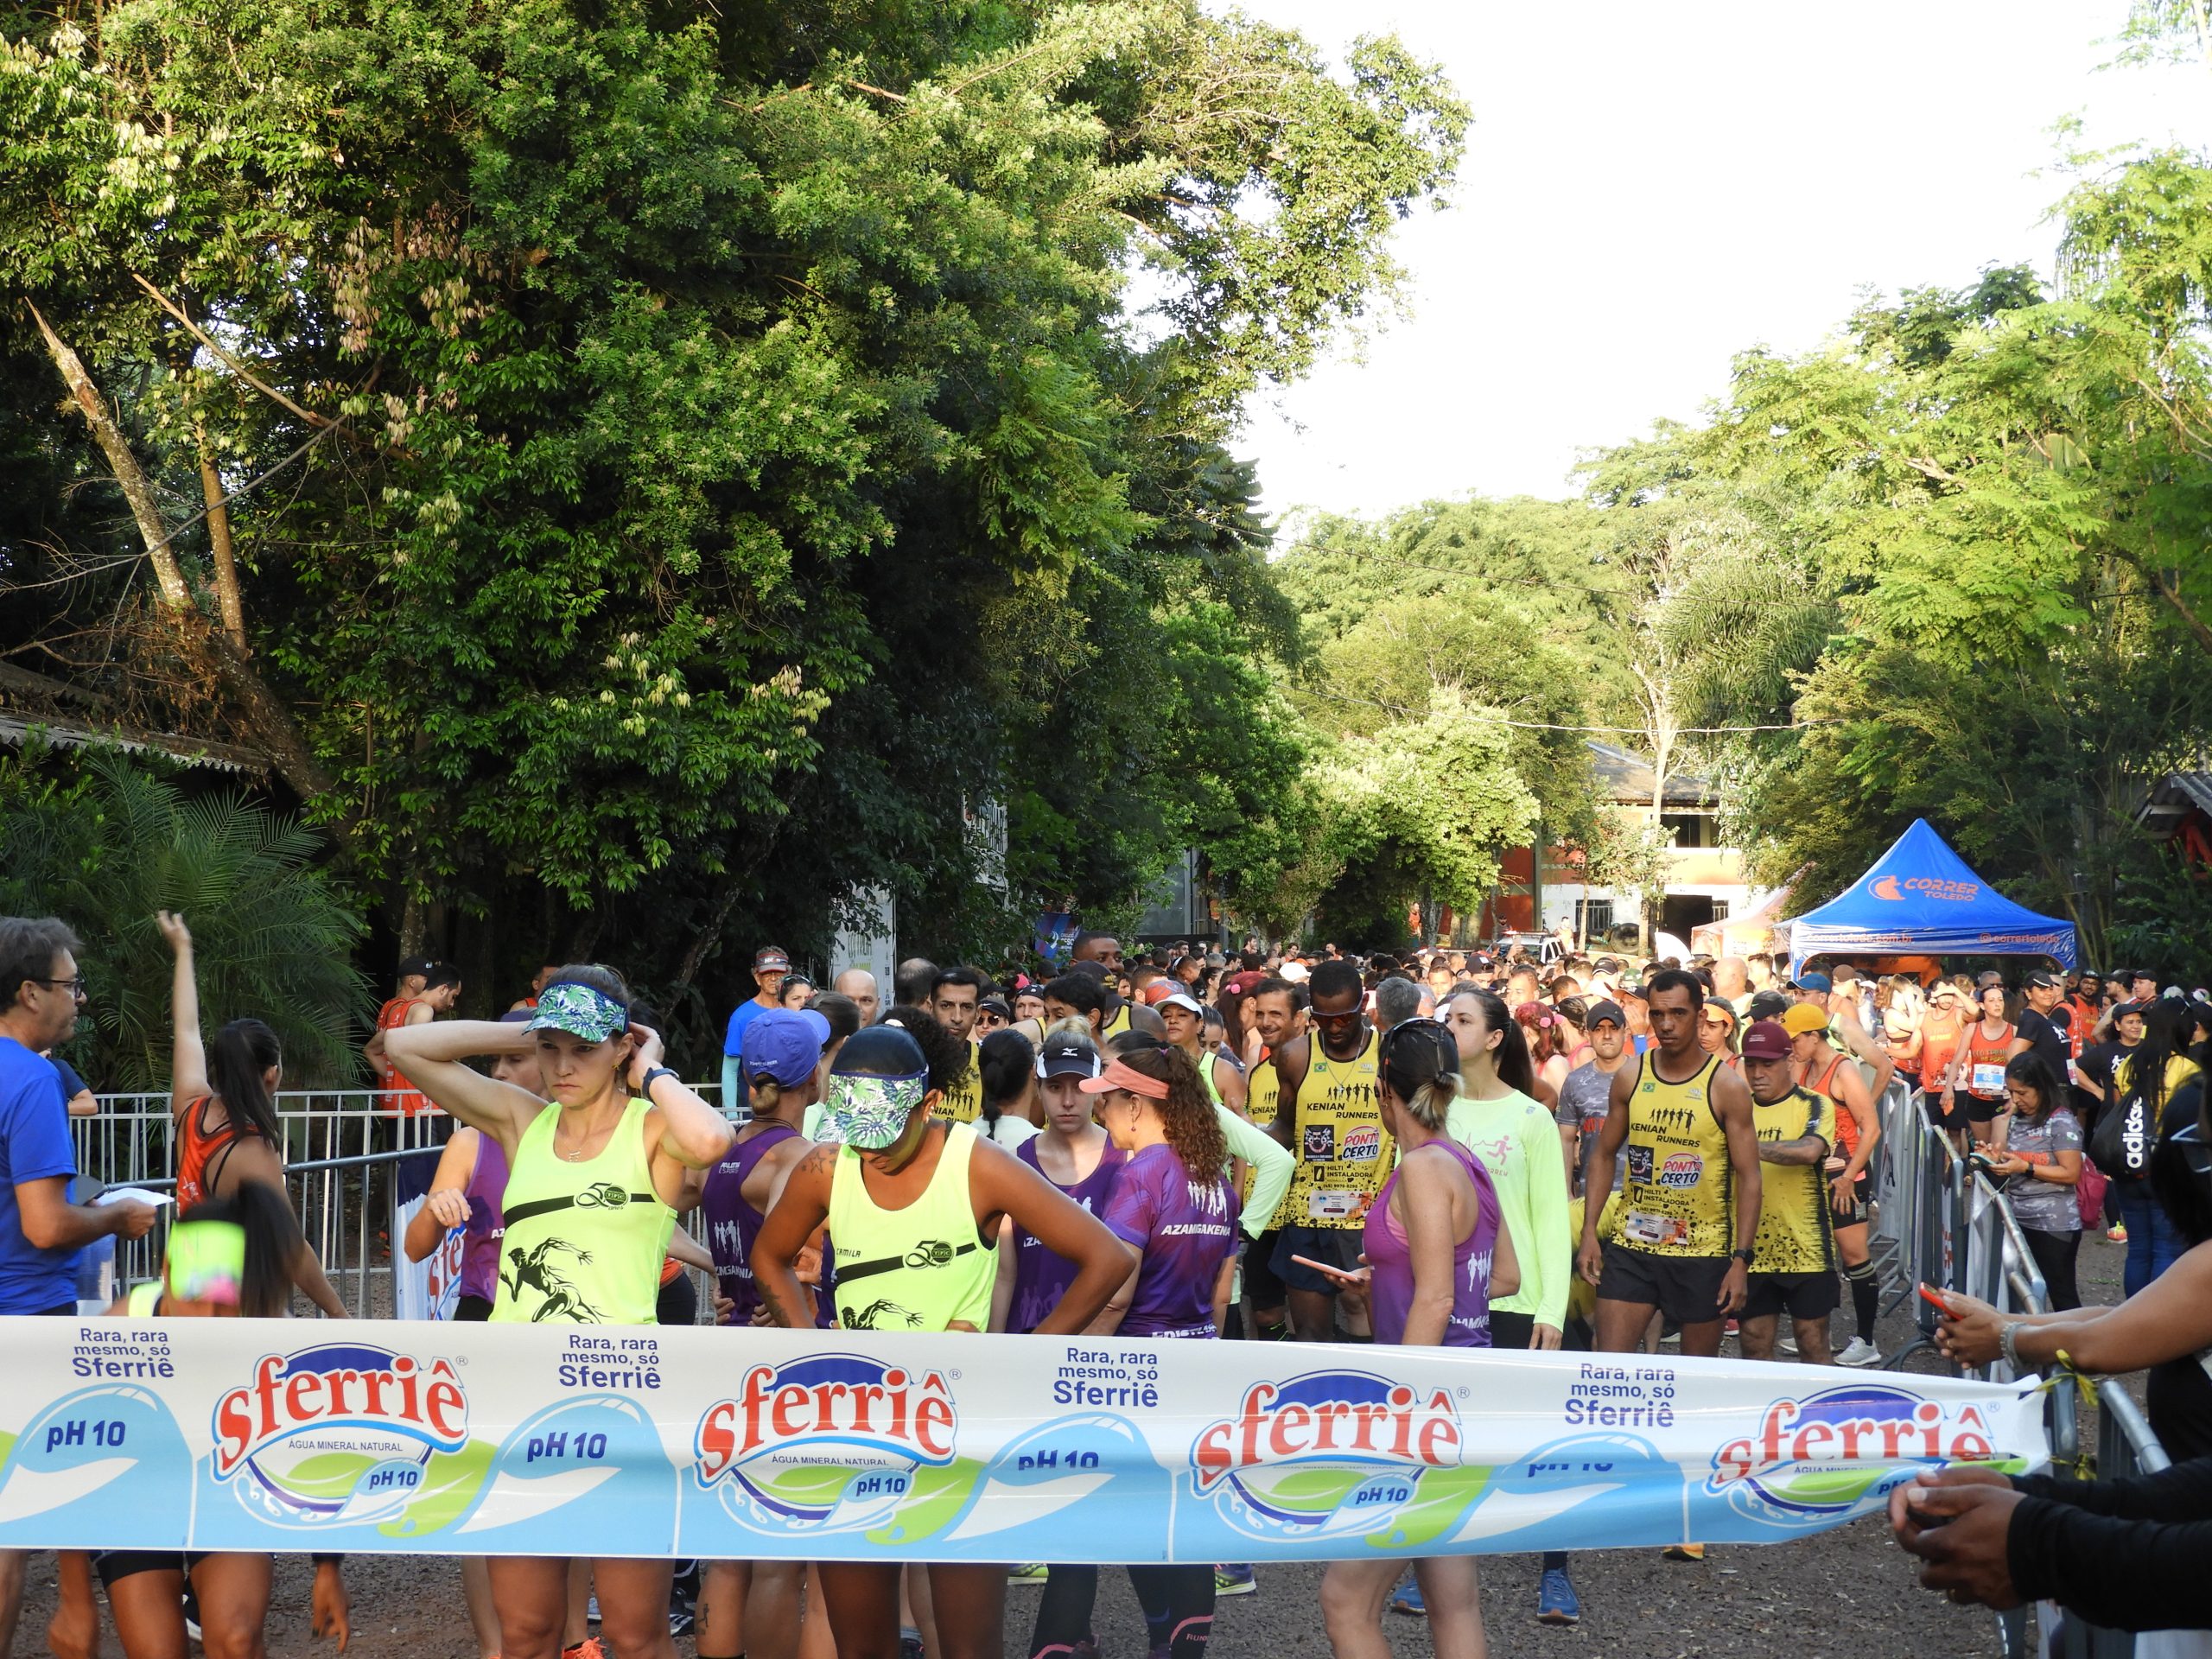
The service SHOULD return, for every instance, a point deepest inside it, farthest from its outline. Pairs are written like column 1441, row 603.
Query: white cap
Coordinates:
column 1295, row 972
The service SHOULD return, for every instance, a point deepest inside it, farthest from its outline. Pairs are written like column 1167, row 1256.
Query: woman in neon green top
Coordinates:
column 1498, row 1118
column 914, row 1205
column 590, row 1202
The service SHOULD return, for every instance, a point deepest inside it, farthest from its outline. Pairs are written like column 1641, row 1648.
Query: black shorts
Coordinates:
column 1686, row 1289
column 1801, row 1295
column 1931, row 1102
column 1862, row 1193
column 1261, row 1284
column 1509, row 1330
column 117, row 1564
column 471, row 1310
column 1337, row 1246
column 1979, row 1110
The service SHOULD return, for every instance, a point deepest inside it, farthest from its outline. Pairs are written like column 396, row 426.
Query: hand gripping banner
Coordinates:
column 236, row 1435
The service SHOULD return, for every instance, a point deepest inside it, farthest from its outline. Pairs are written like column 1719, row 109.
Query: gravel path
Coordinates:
column 1846, row 1594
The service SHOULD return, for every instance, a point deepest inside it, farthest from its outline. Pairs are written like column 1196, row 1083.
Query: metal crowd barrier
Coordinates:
column 2126, row 1445
column 340, row 1146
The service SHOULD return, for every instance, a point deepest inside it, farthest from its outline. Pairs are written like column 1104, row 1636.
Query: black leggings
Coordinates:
column 1178, row 1603
column 2054, row 1254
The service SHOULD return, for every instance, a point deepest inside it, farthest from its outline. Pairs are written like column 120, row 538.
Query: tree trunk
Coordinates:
column 216, row 657
column 219, row 541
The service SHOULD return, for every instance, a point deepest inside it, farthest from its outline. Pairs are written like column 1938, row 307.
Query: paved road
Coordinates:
column 1848, row 1595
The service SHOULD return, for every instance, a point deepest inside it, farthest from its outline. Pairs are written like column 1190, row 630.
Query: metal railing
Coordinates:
column 339, row 1149
column 2126, row 1445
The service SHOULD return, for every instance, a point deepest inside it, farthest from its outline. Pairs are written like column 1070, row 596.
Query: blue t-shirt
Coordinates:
column 35, row 1146
column 72, row 1084
column 734, row 1041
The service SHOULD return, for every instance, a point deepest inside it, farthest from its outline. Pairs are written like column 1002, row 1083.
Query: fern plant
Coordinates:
column 275, row 937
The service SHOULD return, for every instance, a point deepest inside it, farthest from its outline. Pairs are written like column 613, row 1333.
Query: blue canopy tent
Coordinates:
column 1921, row 898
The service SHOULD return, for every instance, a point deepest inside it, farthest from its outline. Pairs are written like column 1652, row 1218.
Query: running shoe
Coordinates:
column 1683, row 1552
column 191, row 1612
column 1556, row 1602
column 1235, row 1579
column 680, row 1621
column 1859, row 1352
column 1086, row 1649
column 1785, row 1342
column 2116, row 1234
column 910, row 1644
column 587, row 1649
column 1027, row 1572
column 1406, row 1598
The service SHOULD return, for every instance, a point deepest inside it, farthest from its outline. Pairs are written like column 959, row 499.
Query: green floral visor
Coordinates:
column 869, row 1114
column 582, row 1011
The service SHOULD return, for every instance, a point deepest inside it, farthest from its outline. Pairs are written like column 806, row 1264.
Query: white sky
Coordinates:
column 1649, row 189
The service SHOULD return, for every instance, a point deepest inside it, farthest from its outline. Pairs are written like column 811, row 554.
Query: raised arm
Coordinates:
column 187, row 1057
column 430, row 1056
column 683, row 1132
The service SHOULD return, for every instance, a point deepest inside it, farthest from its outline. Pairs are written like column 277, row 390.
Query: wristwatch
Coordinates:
column 645, row 1084
column 1744, row 1254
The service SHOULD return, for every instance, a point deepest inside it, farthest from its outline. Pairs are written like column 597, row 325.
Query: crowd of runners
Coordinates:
column 1452, row 1149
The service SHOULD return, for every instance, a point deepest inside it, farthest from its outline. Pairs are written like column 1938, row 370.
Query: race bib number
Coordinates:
column 1333, row 1207
column 1988, row 1080
column 1650, row 1230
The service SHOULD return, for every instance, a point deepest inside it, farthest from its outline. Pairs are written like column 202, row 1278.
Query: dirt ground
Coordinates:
column 1848, row 1594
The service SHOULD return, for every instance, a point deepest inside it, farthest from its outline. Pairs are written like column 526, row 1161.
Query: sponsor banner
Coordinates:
column 219, row 1435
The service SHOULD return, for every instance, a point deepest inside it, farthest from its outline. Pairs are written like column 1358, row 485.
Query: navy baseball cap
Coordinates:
column 1814, row 982
column 784, row 1044
column 1062, row 1054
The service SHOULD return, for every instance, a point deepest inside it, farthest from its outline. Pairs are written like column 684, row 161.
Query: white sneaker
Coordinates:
column 1859, row 1352
column 1787, row 1344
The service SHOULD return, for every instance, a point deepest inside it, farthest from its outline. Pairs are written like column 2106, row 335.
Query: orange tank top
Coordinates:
column 193, row 1180
column 400, row 1096
column 1938, row 1045
column 1847, row 1126
column 1983, row 1053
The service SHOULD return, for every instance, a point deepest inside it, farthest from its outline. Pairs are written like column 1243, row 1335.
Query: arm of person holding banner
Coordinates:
column 1597, row 1184
column 2169, row 1316
column 2126, row 1554
column 445, row 1206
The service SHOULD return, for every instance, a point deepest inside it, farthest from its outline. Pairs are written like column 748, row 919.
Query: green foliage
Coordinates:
column 273, row 935
column 742, row 464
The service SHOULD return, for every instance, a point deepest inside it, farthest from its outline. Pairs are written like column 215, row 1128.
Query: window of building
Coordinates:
column 1688, row 828
column 1593, row 917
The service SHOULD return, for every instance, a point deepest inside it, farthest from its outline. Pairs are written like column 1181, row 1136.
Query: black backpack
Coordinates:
column 2127, row 1128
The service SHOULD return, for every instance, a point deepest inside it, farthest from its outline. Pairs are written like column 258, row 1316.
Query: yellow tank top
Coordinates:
column 1118, row 1024
column 1795, row 1233
column 964, row 1101
column 1676, row 1200
column 1343, row 1152
column 919, row 1269
column 584, row 1243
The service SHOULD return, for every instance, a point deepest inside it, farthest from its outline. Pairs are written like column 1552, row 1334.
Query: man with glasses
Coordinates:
column 42, row 1228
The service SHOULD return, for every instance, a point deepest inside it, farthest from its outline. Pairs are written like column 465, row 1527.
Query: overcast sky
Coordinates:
column 1649, row 189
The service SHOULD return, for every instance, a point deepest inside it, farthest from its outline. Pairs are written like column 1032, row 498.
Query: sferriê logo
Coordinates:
column 828, row 1436
column 339, row 1431
column 1820, row 1455
column 1299, row 1453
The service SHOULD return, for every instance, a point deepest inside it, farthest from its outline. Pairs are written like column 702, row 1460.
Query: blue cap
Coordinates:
column 1815, row 983
column 784, row 1044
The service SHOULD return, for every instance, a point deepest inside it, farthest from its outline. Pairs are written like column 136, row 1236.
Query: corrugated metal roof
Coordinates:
column 1626, row 779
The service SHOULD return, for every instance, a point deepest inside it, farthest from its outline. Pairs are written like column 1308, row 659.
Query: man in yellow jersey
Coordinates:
column 1271, row 1020
column 1683, row 1243
column 1329, row 1112
column 1795, row 1271
column 955, row 995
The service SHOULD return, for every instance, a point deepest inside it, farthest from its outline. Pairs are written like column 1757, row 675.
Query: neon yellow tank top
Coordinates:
column 1677, row 1200
column 1260, row 1098
column 1118, row 1024
column 919, row 1269
column 1343, row 1152
column 584, row 1243
column 145, row 1300
column 964, row 1101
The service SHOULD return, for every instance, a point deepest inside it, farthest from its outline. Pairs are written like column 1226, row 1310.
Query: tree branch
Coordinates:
column 231, row 363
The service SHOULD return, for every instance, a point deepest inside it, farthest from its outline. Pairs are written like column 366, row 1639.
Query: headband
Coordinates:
column 1120, row 1074
column 581, row 1010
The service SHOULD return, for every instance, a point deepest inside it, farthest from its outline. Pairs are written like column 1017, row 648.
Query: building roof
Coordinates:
column 2175, row 796
column 1625, row 779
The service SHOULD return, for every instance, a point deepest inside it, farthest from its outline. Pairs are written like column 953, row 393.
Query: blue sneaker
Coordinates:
column 1556, row 1602
column 1406, row 1598
column 1235, row 1579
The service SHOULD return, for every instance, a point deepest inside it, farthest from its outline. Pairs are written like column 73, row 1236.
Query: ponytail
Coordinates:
column 765, row 1094
column 1007, row 1062
column 242, row 1050
column 1187, row 1115
column 1431, row 1104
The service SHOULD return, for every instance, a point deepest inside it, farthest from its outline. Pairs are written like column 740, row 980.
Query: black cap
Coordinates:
column 1767, row 1005
column 2044, row 979
column 1605, row 1008
column 417, row 967
column 1066, row 1055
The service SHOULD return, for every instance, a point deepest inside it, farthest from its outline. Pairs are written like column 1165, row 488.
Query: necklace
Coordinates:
column 578, row 1156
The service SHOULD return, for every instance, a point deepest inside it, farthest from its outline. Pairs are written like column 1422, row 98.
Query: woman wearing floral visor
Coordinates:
column 594, row 1179
column 914, row 1205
